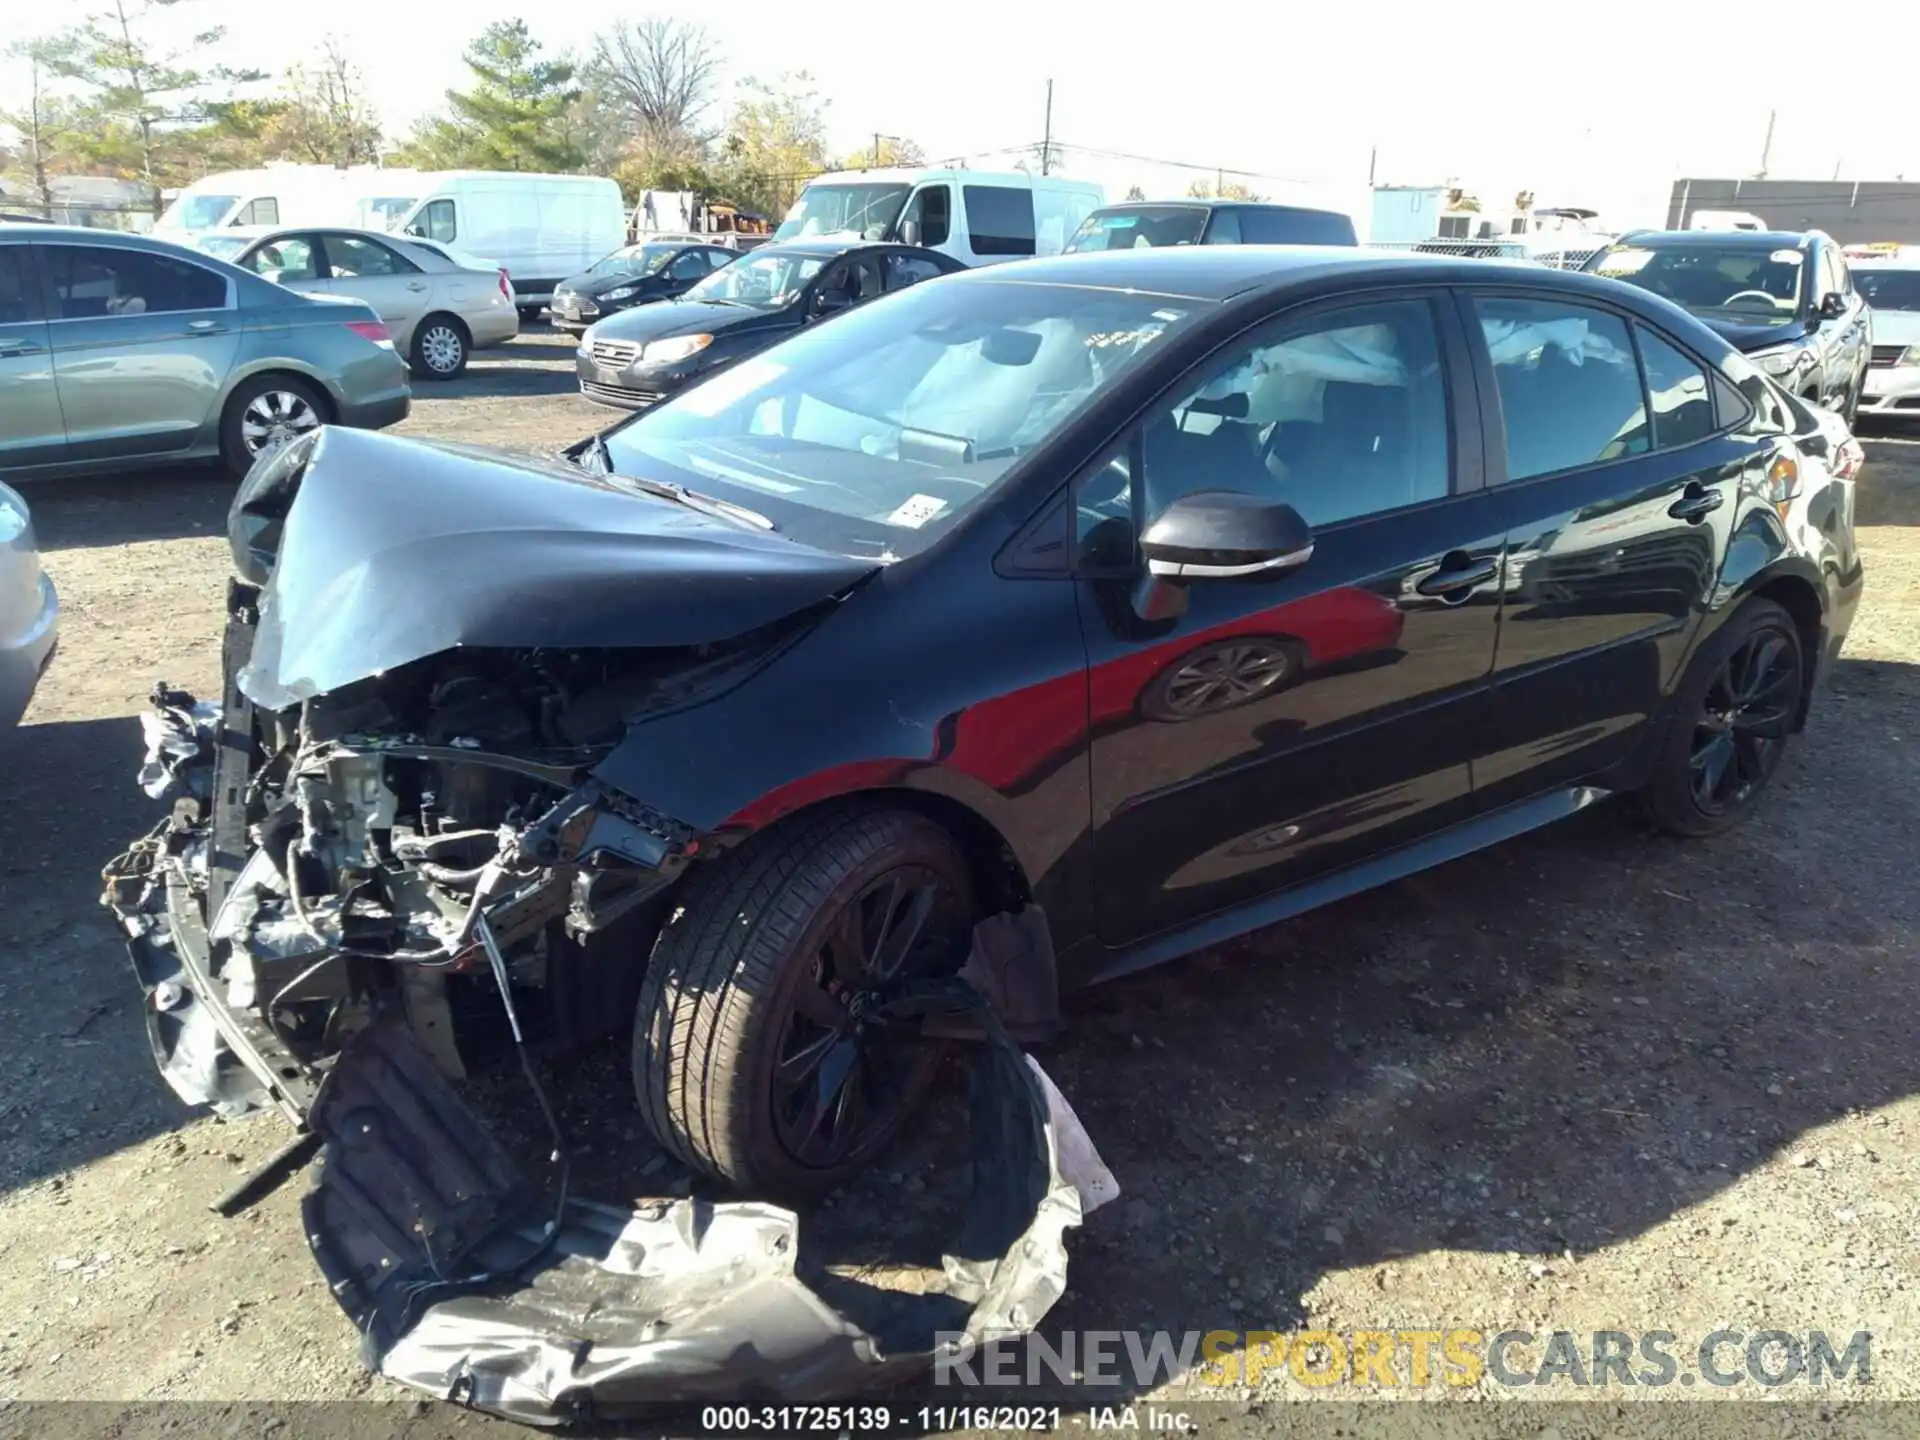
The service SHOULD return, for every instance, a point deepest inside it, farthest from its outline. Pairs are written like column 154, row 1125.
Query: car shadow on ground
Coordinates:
column 1537, row 1051
column 552, row 345
column 163, row 503
column 80, row 1079
column 508, row 376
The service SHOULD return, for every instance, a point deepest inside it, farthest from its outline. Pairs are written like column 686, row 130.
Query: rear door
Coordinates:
column 364, row 269
column 142, row 343
column 1289, row 723
column 1616, row 526
column 31, row 429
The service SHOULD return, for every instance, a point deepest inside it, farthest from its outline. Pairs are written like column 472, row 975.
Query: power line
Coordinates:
column 1179, row 164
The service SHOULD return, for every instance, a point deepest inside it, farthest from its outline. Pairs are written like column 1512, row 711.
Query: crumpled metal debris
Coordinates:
column 471, row 1285
column 179, row 733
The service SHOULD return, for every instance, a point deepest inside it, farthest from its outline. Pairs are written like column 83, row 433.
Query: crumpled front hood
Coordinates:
column 374, row 552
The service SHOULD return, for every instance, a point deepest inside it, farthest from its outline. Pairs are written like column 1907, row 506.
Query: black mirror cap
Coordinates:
column 1223, row 534
column 1832, row 305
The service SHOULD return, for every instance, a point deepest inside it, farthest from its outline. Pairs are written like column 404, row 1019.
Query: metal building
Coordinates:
column 1854, row 212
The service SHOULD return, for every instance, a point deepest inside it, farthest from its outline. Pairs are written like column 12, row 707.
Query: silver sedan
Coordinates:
column 29, row 609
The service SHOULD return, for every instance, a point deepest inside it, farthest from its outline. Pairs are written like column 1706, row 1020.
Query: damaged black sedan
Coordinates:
column 1104, row 607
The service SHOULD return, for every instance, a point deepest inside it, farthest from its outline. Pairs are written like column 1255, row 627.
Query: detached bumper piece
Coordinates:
column 469, row 1284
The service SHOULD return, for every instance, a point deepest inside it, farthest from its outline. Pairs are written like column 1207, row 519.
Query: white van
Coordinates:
column 976, row 216
column 285, row 194
column 539, row 228
column 1724, row 220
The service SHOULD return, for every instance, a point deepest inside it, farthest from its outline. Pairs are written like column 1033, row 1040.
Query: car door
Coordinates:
column 847, row 282
column 1616, row 526
column 1852, row 333
column 364, row 269
column 31, row 429
column 1288, row 723
column 142, row 343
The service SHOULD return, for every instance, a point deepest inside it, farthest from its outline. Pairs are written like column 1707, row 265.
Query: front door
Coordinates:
column 31, row 430
column 142, row 343
column 1289, row 723
column 1615, row 531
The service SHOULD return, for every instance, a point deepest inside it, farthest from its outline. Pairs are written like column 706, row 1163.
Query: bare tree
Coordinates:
column 661, row 72
column 46, row 119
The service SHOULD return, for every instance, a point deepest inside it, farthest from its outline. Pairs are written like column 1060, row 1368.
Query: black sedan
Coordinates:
column 633, row 275
column 638, row 359
column 1072, row 614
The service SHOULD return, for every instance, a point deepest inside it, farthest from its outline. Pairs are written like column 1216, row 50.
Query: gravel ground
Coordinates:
column 1587, row 1080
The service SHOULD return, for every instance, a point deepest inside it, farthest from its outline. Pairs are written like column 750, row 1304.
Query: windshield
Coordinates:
column 1888, row 289
column 1731, row 282
column 870, row 436
column 1125, row 228
column 768, row 280
column 197, row 212
column 225, row 247
column 865, row 210
column 634, row 260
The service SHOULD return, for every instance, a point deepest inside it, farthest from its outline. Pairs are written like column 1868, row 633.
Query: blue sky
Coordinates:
column 1602, row 104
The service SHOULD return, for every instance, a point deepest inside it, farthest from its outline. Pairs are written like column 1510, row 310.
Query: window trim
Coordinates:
column 326, row 255
column 1467, row 475
column 50, row 302
column 1493, row 419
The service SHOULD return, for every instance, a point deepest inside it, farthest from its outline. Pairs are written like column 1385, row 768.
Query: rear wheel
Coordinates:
column 1728, row 728
column 763, row 1052
column 440, row 346
column 265, row 413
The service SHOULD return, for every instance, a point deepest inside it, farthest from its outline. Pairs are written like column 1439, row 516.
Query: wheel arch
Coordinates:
column 278, row 365
column 1801, row 598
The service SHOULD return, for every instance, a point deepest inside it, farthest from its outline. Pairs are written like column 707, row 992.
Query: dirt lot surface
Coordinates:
column 1586, row 1080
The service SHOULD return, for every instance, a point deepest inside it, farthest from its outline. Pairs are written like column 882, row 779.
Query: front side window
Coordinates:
column 765, row 279
column 1225, row 229
column 285, row 260
column 437, row 221
column 1682, row 401
column 1569, row 388
column 264, row 211
column 999, row 218
column 931, row 208
column 690, row 266
column 351, row 258
column 873, row 434
column 1342, row 418
column 634, row 260
column 905, row 270
column 1739, row 282
column 89, row 283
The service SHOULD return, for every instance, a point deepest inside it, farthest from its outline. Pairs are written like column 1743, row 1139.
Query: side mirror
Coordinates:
column 1832, row 305
column 909, row 232
column 1225, row 535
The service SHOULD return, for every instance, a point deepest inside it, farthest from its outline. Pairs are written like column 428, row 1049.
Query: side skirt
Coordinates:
column 1449, row 844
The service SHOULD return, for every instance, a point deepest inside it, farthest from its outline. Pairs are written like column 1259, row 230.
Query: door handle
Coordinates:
column 206, row 327
column 1696, row 504
column 416, row 287
column 1458, row 573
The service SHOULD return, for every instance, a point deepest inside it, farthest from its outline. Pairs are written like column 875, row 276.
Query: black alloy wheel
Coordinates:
column 1728, row 722
column 1744, row 721
column 846, row 1070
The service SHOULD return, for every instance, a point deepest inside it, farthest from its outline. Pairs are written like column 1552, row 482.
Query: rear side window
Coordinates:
column 1682, row 401
column 1225, row 229
column 13, row 285
column 905, row 270
column 351, row 258
column 90, row 282
column 999, row 218
column 1569, row 388
column 1277, row 225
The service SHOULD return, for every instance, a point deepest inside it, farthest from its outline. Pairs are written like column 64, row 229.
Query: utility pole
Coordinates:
column 1766, row 148
column 1373, row 163
column 876, row 149
column 1046, row 143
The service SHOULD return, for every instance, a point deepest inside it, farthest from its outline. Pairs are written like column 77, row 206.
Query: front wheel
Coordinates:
column 763, row 1052
column 1729, row 724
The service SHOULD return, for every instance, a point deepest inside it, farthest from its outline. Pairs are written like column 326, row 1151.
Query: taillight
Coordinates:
column 506, row 284
column 373, row 330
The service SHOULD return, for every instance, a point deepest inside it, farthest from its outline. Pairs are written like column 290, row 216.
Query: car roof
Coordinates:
column 22, row 230
column 1212, row 202
column 1705, row 239
column 1217, row 272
